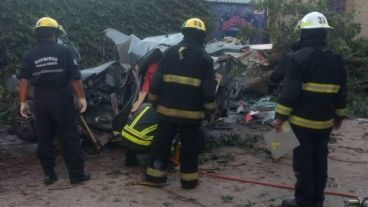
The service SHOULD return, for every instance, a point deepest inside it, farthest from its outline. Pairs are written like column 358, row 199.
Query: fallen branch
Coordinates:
column 352, row 148
column 348, row 161
column 182, row 198
column 176, row 196
column 61, row 188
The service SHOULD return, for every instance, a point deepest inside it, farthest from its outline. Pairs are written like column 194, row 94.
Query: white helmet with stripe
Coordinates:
column 314, row 20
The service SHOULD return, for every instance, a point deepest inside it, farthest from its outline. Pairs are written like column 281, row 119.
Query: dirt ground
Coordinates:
column 115, row 185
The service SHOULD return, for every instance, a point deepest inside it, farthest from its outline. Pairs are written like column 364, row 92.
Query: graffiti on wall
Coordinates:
column 231, row 18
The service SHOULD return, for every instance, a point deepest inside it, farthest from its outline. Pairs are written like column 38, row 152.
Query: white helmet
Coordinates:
column 314, row 20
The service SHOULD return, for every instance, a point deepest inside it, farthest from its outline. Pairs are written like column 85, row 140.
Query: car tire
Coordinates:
column 24, row 128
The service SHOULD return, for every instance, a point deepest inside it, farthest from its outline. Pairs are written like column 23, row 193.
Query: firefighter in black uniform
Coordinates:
column 183, row 91
column 53, row 71
column 138, row 133
column 279, row 71
column 313, row 100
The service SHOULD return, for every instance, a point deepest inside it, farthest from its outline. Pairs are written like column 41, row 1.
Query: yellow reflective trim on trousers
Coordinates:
column 182, row 80
column 180, row 113
column 155, row 173
column 284, row 110
column 139, row 117
column 341, row 112
column 136, row 140
column 149, row 129
column 138, row 134
column 152, row 97
column 321, row 88
column 210, row 106
column 189, row 176
column 296, row 120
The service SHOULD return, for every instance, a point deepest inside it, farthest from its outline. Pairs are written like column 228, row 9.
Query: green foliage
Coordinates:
column 84, row 20
column 6, row 100
column 227, row 199
column 283, row 16
column 358, row 105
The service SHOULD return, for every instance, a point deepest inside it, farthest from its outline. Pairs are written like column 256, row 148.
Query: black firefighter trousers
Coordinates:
column 56, row 116
column 160, row 153
column 310, row 166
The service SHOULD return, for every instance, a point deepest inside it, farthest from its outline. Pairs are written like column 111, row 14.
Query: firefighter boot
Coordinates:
column 131, row 159
column 77, row 180
column 319, row 204
column 50, row 176
column 157, row 174
column 289, row 203
column 189, row 185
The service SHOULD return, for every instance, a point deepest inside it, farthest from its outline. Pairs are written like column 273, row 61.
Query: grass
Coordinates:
column 227, row 199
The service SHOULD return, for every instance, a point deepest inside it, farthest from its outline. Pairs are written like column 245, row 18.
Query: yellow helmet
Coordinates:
column 48, row 22
column 194, row 23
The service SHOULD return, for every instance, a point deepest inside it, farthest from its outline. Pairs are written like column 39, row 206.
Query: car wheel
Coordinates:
column 24, row 128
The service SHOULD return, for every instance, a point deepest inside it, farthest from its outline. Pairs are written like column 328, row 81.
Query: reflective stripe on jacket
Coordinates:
column 183, row 87
column 138, row 134
column 315, row 90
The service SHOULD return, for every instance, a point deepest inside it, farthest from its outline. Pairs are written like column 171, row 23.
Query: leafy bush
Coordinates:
column 84, row 20
column 282, row 19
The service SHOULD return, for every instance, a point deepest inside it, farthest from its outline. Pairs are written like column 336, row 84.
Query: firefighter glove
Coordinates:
column 82, row 105
column 277, row 124
column 24, row 110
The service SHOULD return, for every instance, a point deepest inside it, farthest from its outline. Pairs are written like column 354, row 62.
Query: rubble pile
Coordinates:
column 244, row 82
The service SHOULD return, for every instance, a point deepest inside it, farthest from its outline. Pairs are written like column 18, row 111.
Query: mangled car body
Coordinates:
column 112, row 87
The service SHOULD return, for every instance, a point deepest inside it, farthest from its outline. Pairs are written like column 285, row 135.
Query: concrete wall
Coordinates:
column 361, row 6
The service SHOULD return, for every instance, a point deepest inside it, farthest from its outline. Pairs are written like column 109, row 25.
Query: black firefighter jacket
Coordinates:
column 183, row 88
column 315, row 89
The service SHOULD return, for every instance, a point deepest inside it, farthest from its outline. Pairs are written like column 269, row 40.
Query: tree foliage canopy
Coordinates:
column 282, row 18
column 84, row 20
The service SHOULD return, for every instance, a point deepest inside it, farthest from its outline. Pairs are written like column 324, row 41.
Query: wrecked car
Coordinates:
column 111, row 88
